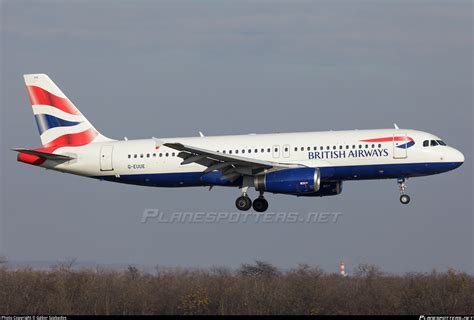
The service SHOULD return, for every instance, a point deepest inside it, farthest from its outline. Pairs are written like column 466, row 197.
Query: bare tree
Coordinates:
column 258, row 288
column 65, row 265
column 260, row 268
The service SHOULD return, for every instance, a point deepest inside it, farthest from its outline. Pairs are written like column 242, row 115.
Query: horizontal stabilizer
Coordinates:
column 45, row 155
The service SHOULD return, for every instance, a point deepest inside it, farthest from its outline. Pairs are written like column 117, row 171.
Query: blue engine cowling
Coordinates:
column 326, row 189
column 289, row 181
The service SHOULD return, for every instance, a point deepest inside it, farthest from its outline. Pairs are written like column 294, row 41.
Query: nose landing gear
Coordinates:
column 404, row 198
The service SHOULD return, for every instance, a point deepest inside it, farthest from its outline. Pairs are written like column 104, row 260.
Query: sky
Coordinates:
column 142, row 69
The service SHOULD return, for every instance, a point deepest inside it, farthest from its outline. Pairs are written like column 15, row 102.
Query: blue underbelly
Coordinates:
column 337, row 173
column 385, row 171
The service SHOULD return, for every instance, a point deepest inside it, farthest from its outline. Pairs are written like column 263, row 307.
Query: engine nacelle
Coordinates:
column 289, row 181
column 326, row 189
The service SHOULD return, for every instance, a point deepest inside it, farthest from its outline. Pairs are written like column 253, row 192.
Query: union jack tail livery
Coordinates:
column 59, row 122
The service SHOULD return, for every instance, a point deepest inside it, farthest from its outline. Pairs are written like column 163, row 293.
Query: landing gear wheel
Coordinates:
column 405, row 199
column 260, row 205
column 243, row 203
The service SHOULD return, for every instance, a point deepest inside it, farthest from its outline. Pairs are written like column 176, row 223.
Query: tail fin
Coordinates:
column 59, row 122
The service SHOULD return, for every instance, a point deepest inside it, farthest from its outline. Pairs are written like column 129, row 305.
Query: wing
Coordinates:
column 231, row 166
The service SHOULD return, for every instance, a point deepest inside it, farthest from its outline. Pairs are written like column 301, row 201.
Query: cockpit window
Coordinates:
column 433, row 143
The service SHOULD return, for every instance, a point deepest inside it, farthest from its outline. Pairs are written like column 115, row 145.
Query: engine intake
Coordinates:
column 289, row 181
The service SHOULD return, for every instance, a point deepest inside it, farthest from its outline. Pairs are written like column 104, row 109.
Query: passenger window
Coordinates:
column 147, row 155
column 161, row 155
column 347, row 146
column 380, row 146
column 173, row 154
column 268, row 150
column 129, row 156
column 302, row 148
column 286, row 149
column 167, row 154
column 236, row 151
column 353, row 146
column 366, row 146
column 308, row 148
column 154, row 155
column 315, row 148
column 230, row 151
column 250, row 150
column 373, row 146
column 334, row 147
column 321, row 148
column 243, row 150
column 328, row 147
column 276, row 149
column 340, row 147
column 262, row 150
column 256, row 150
column 141, row 156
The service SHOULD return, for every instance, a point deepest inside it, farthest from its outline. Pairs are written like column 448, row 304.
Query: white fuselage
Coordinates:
column 341, row 155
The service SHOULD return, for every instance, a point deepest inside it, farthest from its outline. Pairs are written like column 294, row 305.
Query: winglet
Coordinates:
column 396, row 127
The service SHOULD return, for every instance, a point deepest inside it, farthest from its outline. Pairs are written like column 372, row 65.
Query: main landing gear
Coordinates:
column 244, row 203
column 260, row 204
column 404, row 198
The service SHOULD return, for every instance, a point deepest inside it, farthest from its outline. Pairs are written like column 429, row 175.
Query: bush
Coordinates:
column 257, row 288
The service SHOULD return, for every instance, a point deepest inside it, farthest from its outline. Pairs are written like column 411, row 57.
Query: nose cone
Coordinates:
column 455, row 157
column 458, row 156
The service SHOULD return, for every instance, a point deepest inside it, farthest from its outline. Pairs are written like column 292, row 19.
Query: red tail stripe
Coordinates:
column 41, row 96
column 67, row 140
column 388, row 139
column 71, row 140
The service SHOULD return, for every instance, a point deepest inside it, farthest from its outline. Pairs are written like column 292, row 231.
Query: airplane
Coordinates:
column 306, row 164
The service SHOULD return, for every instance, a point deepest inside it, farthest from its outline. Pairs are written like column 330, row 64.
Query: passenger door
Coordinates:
column 400, row 142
